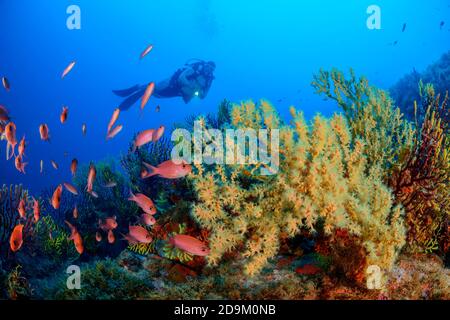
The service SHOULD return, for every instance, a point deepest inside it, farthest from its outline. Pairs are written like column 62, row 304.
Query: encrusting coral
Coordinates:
column 323, row 178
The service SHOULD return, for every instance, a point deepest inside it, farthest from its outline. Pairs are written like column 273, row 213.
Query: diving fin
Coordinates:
column 128, row 102
column 126, row 92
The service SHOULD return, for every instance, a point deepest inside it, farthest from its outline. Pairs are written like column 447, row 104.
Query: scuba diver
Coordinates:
column 194, row 79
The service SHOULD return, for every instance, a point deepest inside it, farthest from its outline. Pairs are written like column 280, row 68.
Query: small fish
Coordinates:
column 395, row 42
column 4, row 113
column 68, row 69
column 148, row 219
column 75, row 212
column 144, row 202
column 20, row 165
column 189, row 244
column 36, row 210
column 158, row 133
column 404, row 27
column 146, row 51
column 22, row 210
column 10, row 134
column 110, row 184
column 74, row 166
column 42, row 166
column 114, row 132
column 6, row 84
column 138, row 234
column 44, row 132
column 84, row 129
column 113, row 119
column 70, row 188
column 158, row 108
column 441, row 25
column 16, row 239
column 168, row 170
column 98, row 236
column 143, row 138
column 21, row 147
column 111, row 237
column 108, row 224
column 91, row 177
column 308, row 269
column 56, row 198
column 76, row 237
column 64, row 115
column 54, row 165
column 147, row 94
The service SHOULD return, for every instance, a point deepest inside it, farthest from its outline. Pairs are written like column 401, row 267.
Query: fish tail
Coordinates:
column 153, row 170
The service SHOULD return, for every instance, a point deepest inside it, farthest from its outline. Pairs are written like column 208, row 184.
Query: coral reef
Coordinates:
column 407, row 90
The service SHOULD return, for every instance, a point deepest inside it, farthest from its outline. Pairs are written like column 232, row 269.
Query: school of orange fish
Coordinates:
column 138, row 233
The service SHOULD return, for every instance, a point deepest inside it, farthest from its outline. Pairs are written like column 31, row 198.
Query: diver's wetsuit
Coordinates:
column 194, row 79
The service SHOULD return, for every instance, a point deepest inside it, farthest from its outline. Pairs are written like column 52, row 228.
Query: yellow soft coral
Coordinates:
column 324, row 175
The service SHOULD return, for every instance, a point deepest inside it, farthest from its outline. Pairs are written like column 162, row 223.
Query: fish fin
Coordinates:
column 131, row 197
column 153, row 170
column 132, row 99
column 126, row 92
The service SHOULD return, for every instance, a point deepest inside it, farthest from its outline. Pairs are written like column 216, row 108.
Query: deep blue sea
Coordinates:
column 262, row 49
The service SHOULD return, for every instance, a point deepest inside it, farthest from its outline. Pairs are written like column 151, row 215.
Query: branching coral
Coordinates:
column 371, row 116
column 407, row 89
column 422, row 183
column 324, row 176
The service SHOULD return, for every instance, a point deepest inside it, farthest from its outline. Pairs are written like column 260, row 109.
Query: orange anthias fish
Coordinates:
column 22, row 210
column 64, row 115
column 98, row 236
column 148, row 219
column 70, row 188
column 16, row 239
column 143, row 138
column 56, row 198
column 158, row 134
column 147, row 94
column 115, row 131
column 20, row 165
column 68, row 69
column 138, row 234
column 144, row 202
column 74, row 166
column 4, row 114
column 91, row 178
column 108, row 224
column 168, row 170
column 111, row 237
column 146, row 51
column 76, row 237
column 10, row 134
column 75, row 212
column 44, row 132
column 21, row 147
column 36, row 210
column 6, row 84
column 308, row 269
column 114, row 118
column 189, row 244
